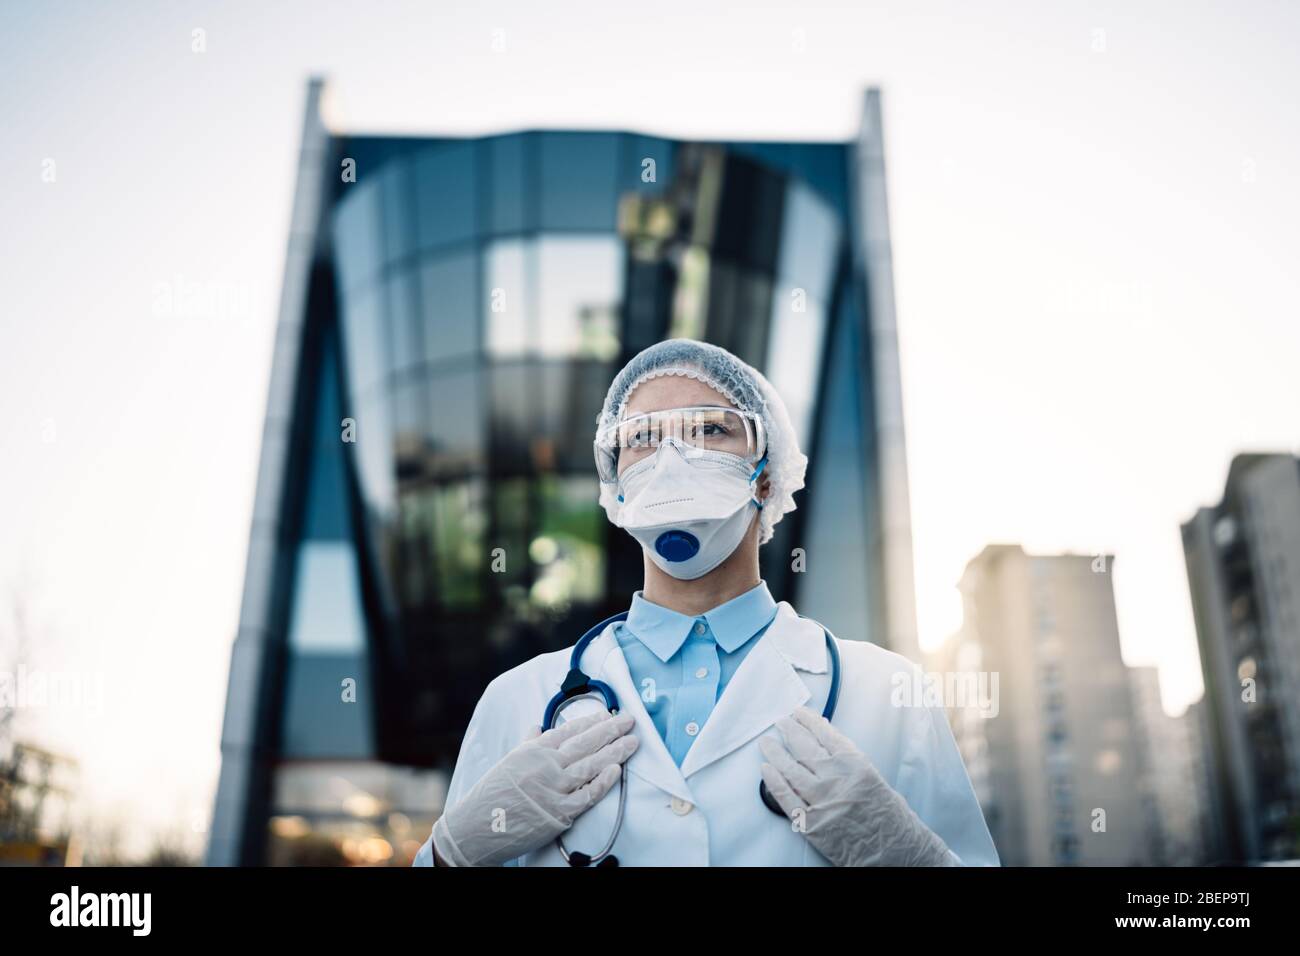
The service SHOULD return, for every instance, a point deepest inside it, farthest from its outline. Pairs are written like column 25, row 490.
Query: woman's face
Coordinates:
column 675, row 391
column 669, row 391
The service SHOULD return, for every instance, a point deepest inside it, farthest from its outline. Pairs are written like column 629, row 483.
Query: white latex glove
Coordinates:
column 840, row 802
column 536, row 791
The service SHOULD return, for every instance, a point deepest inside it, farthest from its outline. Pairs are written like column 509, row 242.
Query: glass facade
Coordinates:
column 482, row 294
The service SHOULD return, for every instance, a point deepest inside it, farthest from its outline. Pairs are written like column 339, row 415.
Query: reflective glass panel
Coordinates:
column 449, row 306
column 364, row 341
column 505, row 297
column 405, row 336
column 358, row 235
column 580, row 292
column 578, row 175
column 447, row 194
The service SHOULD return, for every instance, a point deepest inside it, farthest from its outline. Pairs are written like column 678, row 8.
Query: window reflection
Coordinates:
column 327, row 641
column 512, row 511
column 358, row 235
column 406, row 345
column 458, row 526
column 506, row 197
column 439, row 428
column 318, row 722
column 737, row 297
column 810, row 243
column 505, row 297
column 691, row 297
column 411, row 415
column 806, row 266
column 395, row 190
column 364, row 345
column 456, row 423
column 414, row 545
column 569, row 397
column 326, row 615
column 512, row 418
column 576, row 283
column 579, row 171
column 441, row 542
column 794, row 354
column 446, row 193
column 374, row 453
column 449, row 306
column 568, row 550
column 581, row 289
column 746, row 222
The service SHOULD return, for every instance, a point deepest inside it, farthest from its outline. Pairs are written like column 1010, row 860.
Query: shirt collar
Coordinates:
column 664, row 630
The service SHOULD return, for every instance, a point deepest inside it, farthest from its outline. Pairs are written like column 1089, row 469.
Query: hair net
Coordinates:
column 742, row 385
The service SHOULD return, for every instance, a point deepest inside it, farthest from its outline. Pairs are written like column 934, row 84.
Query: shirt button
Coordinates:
column 702, row 673
column 699, row 627
column 692, row 729
column 681, row 807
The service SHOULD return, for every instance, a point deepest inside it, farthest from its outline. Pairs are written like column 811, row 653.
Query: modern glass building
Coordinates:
column 426, row 511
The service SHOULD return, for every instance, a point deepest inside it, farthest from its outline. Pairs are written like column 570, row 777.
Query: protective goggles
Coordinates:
column 704, row 428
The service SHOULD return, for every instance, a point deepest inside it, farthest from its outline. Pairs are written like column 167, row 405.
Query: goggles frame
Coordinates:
column 609, row 441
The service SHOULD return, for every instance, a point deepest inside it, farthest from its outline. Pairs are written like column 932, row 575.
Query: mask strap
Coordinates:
column 762, row 463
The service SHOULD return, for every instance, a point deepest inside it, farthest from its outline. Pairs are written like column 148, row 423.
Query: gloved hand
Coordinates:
column 536, row 791
column 840, row 802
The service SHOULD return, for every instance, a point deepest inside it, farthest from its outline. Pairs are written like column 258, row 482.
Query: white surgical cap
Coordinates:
column 742, row 385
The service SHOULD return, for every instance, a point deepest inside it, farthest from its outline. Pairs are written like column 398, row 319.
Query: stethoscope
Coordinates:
column 577, row 685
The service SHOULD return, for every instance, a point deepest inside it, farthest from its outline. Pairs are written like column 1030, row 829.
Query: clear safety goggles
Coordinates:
column 704, row 428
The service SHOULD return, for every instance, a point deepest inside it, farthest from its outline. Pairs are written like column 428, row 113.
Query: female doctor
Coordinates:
column 716, row 685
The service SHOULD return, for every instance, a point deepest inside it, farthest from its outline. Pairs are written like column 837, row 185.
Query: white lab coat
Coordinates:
column 708, row 812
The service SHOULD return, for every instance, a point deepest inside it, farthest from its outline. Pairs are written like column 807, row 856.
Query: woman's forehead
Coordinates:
column 673, row 391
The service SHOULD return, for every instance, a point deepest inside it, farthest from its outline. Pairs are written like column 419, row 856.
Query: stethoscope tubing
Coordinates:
column 577, row 686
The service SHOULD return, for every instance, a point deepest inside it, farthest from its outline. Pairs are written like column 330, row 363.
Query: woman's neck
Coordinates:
column 732, row 578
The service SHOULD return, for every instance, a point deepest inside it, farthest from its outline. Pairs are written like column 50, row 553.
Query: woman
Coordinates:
column 717, row 686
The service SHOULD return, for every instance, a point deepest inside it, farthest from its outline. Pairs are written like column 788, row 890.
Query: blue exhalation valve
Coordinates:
column 677, row 546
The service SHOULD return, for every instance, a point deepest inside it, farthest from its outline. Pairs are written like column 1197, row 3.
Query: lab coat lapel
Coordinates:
column 652, row 761
column 764, row 689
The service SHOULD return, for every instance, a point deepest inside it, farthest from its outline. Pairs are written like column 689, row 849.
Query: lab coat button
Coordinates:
column 681, row 807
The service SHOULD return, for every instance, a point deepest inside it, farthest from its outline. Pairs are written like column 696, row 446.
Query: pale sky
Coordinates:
column 1093, row 211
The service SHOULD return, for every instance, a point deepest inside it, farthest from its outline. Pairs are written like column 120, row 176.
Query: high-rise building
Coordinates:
column 1061, row 753
column 960, row 655
column 1243, row 568
column 426, row 510
column 1213, row 816
column 1168, row 775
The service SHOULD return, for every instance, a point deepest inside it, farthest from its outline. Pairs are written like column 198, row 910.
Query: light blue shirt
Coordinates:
column 682, row 664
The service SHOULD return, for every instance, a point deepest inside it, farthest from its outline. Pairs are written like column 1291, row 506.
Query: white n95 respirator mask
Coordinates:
column 689, row 507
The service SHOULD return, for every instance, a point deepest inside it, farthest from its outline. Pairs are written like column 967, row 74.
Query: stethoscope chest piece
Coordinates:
column 769, row 801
